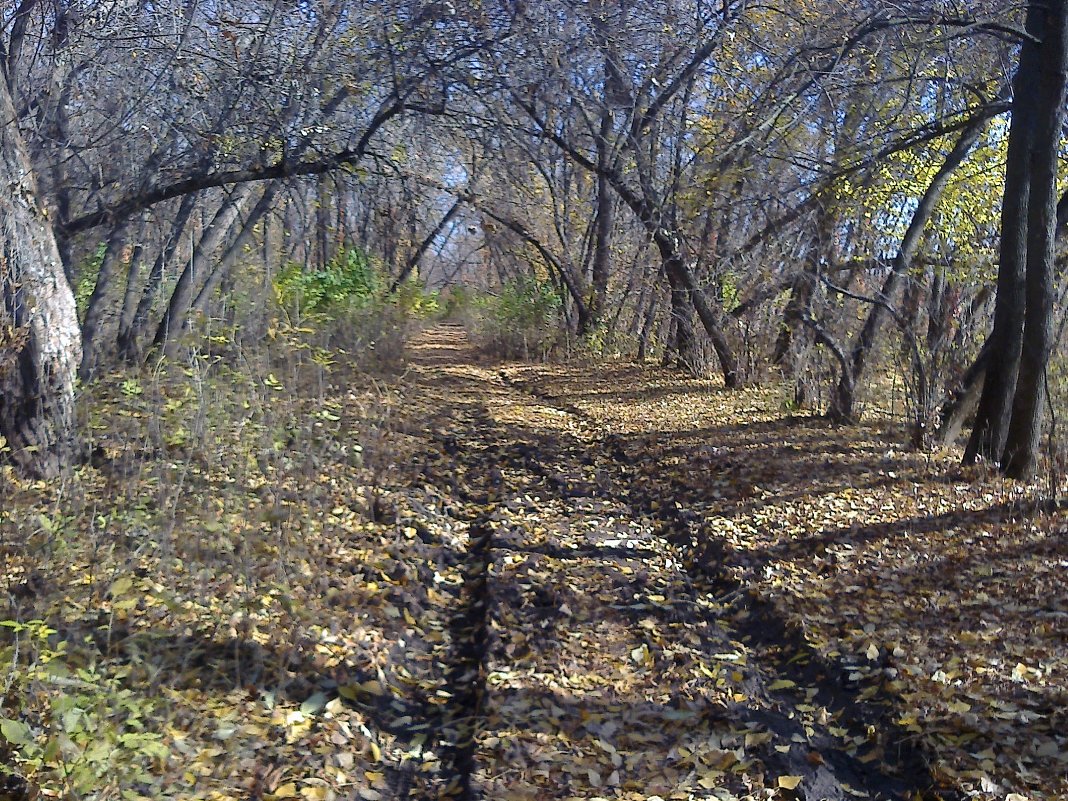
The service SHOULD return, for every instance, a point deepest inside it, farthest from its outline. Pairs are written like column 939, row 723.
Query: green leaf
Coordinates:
column 15, row 732
column 121, row 586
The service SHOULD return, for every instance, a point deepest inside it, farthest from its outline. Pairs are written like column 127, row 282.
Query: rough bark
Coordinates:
column 965, row 399
column 682, row 279
column 647, row 326
column 133, row 330
column 803, row 288
column 131, row 293
column 602, row 227
column 95, row 311
column 37, row 377
column 682, row 348
column 233, row 250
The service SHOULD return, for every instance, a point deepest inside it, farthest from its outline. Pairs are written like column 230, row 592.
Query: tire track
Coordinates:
column 478, row 452
column 828, row 771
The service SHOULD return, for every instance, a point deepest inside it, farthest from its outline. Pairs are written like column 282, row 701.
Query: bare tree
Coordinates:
column 38, row 317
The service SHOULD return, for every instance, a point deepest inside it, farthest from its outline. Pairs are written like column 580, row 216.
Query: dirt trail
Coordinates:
column 601, row 647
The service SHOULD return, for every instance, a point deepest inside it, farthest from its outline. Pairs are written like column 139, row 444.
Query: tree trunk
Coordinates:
column 602, row 226
column 647, row 324
column 94, row 313
column 682, row 279
column 803, row 289
column 174, row 318
column 233, row 250
column 133, row 330
column 843, row 401
column 1020, row 457
column 38, row 319
column 965, row 399
column 990, row 431
column 417, row 255
column 324, row 242
column 131, row 294
column 682, row 347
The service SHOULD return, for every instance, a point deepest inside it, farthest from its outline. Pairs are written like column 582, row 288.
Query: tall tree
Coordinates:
column 1029, row 400
column 1009, row 418
column 37, row 384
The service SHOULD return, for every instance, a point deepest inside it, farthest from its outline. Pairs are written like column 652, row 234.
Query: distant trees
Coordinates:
column 763, row 188
column 154, row 131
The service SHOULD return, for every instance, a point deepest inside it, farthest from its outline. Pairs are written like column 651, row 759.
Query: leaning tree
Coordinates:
column 40, row 342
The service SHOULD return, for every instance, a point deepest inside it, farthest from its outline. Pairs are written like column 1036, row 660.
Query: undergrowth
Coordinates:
column 520, row 320
column 171, row 583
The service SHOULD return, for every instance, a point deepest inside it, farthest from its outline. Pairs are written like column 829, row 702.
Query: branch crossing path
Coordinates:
column 601, row 644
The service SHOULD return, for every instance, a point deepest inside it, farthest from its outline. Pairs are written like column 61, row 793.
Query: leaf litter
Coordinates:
column 594, row 581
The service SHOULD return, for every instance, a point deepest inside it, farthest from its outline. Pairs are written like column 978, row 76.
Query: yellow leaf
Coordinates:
column 314, row 793
column 287, row 790
column 121, row 586
column 781, row 684
column 789, row 782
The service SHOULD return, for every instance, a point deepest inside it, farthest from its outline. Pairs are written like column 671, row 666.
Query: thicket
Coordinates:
column 521, row 319
column 259, row 402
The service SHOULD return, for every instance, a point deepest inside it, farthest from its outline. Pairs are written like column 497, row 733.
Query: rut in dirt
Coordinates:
column 599, row 648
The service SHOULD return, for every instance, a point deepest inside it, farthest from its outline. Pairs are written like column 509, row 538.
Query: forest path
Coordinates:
column 601, row 647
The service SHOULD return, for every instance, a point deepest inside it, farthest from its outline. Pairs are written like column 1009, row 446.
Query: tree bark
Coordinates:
column 602, row 227
column 131, row 294
column 990, row 431
column 173, row 322
column 233, row 250
column 37, row 377
column 682, row 348
column 965, row 399
column 1024, row 433
column 803, row 288
column 647, row 324
column 682, row 279
column 132, row 330
column 94, row 313
column 417, row 255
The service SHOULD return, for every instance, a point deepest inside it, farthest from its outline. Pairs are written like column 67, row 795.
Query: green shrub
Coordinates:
column 460, row 301
column 345, row 307
column 414, row 300
column 522, row 320
column 80, row 732
column 87, row 274
column 346, row 280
